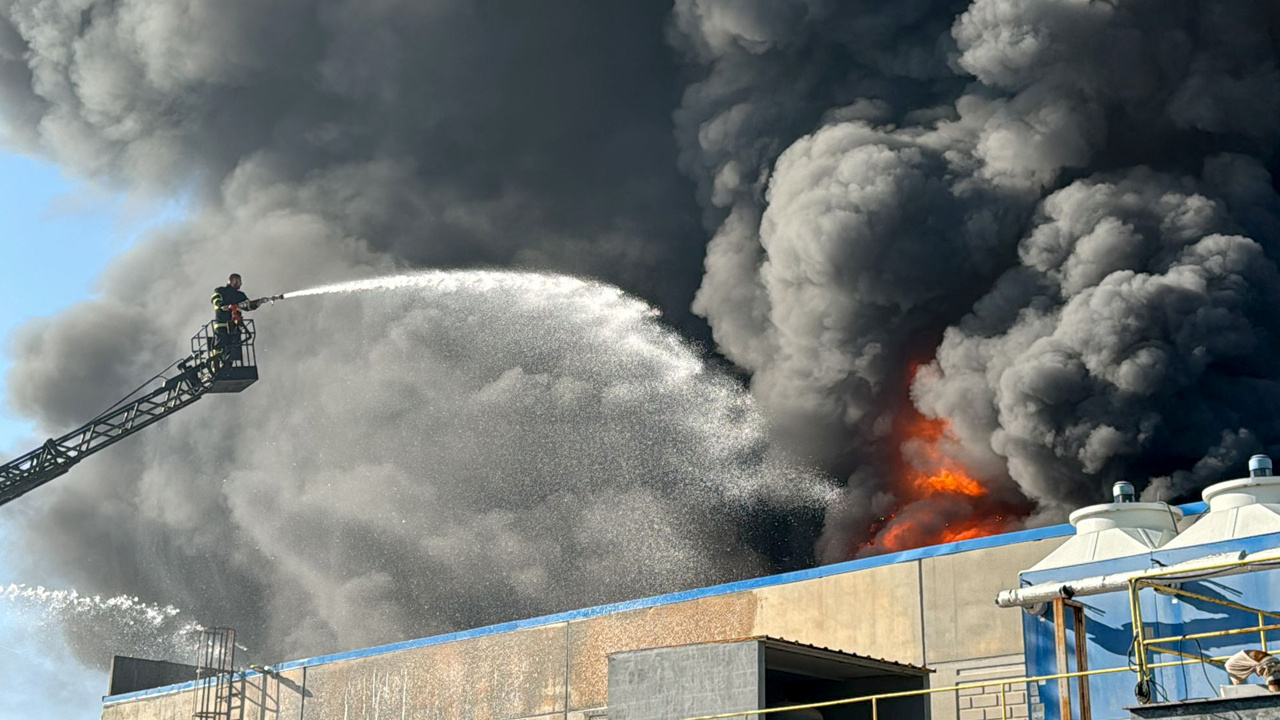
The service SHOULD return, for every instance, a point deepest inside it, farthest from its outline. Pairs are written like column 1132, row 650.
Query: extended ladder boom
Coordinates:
column 206, row 370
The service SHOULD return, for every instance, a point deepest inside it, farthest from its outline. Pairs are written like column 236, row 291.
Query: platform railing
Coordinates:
column 204, row 345
column 1169, row 583
column 1005, row 706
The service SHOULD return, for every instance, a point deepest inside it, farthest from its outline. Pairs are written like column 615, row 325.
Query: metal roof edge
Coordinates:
column 820, row 651
column 822, row 571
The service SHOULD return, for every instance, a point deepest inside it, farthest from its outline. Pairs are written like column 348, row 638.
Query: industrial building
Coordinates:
column 1130, row 596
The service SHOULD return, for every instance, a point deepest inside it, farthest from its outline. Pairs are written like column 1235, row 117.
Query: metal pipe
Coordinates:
column 1060, row 653
column 1172, row 590
column 1179, row 653
column 1198, row 569
column 1262, row 631
column 1082, row 660
column 1139, row 631
column 1214, row 634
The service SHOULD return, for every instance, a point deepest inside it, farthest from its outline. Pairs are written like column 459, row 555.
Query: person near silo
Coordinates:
column 1246, row 663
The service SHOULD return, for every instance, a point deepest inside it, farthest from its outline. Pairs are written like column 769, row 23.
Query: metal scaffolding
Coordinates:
column 1166, row 582
column 1170, row 583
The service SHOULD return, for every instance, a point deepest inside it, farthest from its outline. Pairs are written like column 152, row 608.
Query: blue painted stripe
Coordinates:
column 1013, row 538
column 164, row 690
column 1194, row 508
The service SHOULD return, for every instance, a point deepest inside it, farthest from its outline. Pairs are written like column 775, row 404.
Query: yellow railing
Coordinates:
column 1166, row 583
column 1159, row 582
column 875, row 700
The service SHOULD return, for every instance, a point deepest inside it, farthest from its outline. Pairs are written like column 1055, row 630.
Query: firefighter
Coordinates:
column 228, row 331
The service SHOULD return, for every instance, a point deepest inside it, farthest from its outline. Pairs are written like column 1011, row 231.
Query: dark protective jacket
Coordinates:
column 225, row 295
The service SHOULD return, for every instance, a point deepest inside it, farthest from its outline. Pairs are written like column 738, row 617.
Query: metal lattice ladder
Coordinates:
column 216, row 697
column 210, row 368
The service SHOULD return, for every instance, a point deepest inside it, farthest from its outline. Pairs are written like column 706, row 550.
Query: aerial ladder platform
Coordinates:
column 209, row 369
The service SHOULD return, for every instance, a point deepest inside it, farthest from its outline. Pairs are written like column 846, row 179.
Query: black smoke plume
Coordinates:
column 1066, row 210
column 1051, row 224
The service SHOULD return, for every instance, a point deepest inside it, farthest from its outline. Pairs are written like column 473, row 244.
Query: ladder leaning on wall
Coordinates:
column 215, row 696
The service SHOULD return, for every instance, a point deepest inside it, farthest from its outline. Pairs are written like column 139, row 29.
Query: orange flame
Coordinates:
column 898, row 537
column 928, row 438
column 926, row 429
column 958, row 502
column 969, row 532
column 949, row 480
column 921, row 530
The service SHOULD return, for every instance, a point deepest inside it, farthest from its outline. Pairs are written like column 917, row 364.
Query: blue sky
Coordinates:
column 56, row 236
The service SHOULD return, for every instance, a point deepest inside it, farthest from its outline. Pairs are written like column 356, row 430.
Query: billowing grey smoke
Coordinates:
column 1048, row 224
column 1102, row 319
column 445, row 133
column 1136, row 330
column 406, row 465
column 421, row 460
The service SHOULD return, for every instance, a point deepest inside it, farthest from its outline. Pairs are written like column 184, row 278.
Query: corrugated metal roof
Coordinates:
column 793, row 646
column 916, row 669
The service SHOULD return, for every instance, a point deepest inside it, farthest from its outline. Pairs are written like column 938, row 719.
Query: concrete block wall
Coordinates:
column 686, row 682
column 981, row 703
column 557, row 671
column 985, row 703
column 967, row 638
column 929, row 607
column 591, row 641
